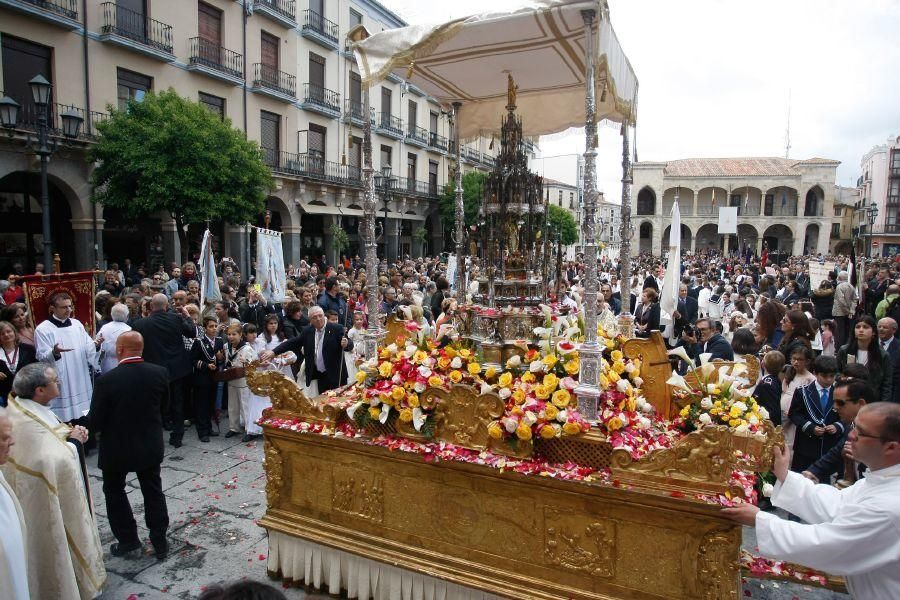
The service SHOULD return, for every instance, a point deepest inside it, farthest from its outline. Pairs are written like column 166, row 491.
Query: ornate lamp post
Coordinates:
column 626, row 232
column 41, row 93
column 459, row 234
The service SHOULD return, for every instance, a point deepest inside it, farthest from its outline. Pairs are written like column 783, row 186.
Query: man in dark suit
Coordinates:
column 708, row 340
column 818, row 426
column 849, row 397
column 125, row 411
column 322, row 345
column 887, row 331
column 255, row 310
column 163, row 332
column 690, row 304
column 655, row 279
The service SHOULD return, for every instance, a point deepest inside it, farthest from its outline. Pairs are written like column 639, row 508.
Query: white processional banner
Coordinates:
column 270, row 275
column 818, row 272
column 728, row 220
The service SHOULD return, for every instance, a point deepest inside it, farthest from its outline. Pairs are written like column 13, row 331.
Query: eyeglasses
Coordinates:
column 861, row 433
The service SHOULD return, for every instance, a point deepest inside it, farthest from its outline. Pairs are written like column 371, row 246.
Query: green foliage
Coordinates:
column 339, row 239
column 168, row 153
column 561, row 221
column 473, row 184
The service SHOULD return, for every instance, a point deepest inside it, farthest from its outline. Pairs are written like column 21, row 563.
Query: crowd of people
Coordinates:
column 162, row 360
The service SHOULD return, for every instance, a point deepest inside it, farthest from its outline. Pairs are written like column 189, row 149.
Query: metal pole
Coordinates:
column 588, row 391
column 626, row 232
column 459, row 234
column 373, row 332
column 44, row 152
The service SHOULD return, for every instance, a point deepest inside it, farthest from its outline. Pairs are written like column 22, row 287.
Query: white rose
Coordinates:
column 510, row 425
column 514, row 361
column 753, row 420
column 397, row 379
column 705, row 419
column 429, row 362
column 536, row 366
column 562, row 416
column 410, row 350
column 623, row 385
column 763, row 413
column 529, row 418
column 767, row 490
column 424, row 371
column 710, row 387
column 392, row 348
column 742, row 428
column 456, row 363
column 740, row 406
column 638, row 381
column 486, row 388
column 706, row 403
column 419, row 387
column 505, row 393
column 629, row 368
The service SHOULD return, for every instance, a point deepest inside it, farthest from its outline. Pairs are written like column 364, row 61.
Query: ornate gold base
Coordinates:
column 503, row 533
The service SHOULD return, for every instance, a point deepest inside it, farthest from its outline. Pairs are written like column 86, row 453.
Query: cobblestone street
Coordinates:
column 215, row 494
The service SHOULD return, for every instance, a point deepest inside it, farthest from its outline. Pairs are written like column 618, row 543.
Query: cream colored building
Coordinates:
column 879, row 186
column 280, row 70
column 846, row 200
column 788, row 203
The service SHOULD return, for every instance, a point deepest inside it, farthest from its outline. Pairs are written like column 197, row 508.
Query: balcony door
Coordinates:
column 386, row 96
column 269, row 58
column 209, row 29
column 317, row 136
column 432, row 177
column 412, row 117
column 22, row 60
column 270, row 136
column 318, row 7
column 131, row 18
column 317, row 78
column 411, row 171
column 355, row 158
column 356, row 107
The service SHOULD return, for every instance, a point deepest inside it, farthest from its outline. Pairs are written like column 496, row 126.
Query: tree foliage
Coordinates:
column 561, row 221
column 168, row 153
column 473, row 184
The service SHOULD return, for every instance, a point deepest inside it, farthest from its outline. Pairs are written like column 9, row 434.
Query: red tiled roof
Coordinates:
column 738, row 167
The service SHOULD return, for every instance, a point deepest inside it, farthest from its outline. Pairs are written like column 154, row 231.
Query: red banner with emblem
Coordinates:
column 81, row 287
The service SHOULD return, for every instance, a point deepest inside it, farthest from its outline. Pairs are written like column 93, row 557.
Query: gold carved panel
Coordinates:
column 357, row 492
column 287, row 397
column 462, row 415
column 580, row 543
column 655, row 369
column 274, row 466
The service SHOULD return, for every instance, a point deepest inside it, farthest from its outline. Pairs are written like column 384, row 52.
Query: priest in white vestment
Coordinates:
column 13, row 573
column 63, row 551
column 854, row 532
column 62, row 341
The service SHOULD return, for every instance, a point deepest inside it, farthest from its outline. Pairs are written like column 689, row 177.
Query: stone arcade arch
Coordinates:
column 708, row 237
column 811, row 240
column 646, row 202
column 779, row 238
column 645, row 237
column 685, row 201
column 686, row 238
column 815, row 202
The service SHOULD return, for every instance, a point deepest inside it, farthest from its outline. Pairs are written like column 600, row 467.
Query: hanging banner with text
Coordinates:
column 819, row 273
column 79, row 286
column 270, row 275
column 728, row 220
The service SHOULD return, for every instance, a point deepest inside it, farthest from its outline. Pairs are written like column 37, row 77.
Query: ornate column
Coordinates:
column 588, row 391
column 627, row 232
column 459, row 233
column 374, row 331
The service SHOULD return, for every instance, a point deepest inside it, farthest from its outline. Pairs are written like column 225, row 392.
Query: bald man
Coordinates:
column 125, row 412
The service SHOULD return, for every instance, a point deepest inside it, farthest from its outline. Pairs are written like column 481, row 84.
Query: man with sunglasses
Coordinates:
column 851, row 532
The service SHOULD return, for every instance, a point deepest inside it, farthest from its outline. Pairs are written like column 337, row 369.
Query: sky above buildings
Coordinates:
column 716, row 78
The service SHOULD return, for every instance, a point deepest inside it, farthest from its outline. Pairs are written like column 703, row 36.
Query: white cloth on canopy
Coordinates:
column 541, row 44
column 854, row 532
column 74, row 367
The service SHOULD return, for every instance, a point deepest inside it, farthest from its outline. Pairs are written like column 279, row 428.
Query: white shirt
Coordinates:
column 320, row 360
column 854, row 532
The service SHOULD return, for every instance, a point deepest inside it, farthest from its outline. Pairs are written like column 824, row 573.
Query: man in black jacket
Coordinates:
column 322, row 345
column 125, row 411
column 255, row 310
column 812, row 411
column 710, row 341
column 163, row 332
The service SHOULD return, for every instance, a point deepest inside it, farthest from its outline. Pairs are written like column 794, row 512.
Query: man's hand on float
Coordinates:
column 782, row 465
column 79, row 433
column 810, row 476
column 744, row 513
column 266, row 355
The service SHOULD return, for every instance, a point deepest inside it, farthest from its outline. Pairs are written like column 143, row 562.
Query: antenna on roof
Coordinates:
column 787, row 131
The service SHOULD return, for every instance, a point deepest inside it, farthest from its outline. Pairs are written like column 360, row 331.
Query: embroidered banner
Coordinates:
column 81, row 287
column 270, row 275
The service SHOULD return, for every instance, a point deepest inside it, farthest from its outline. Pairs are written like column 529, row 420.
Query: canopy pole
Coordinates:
column 459, row 235
column 626, row 232
column 373, row 331
column 588, row 391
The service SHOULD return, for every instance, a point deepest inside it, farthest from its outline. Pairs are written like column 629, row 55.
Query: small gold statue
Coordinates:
column 511, row 89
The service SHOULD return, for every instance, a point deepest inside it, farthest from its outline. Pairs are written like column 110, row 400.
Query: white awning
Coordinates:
column 541, row 45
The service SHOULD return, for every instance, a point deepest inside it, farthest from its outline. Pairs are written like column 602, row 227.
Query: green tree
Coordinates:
column 168, row 153
column 561, row 221
column 473, row 184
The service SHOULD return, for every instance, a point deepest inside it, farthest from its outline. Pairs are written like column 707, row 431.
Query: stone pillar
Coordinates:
column 695, row 203
column 656, row 239
column 171, row 242
column 824, row 237
column 759, row 243
column 86, row 256
column 237, row 248
column 328, row 239
column 799, row 238
column 725, row 248
column 391, row 230
column 291, row 245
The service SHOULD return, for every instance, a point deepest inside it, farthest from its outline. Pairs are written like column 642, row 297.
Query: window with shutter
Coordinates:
column 270, row 136
column 317, row 135
column 432, row 177
column 209, row 29
column 22, row 60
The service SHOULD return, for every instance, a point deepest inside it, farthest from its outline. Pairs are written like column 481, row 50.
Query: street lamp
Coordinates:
column 872, row 211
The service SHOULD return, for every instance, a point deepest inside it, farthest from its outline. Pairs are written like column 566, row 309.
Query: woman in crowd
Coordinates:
column 648, row 313
column 13, row 357
column 743, row 342
column 797, row 332
column 797, row 375
column 17, row 314
column 768, row 323
column 864, row 349
column 109, row 333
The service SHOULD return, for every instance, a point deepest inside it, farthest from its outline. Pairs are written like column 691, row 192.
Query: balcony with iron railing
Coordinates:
column 29, row 118
column 437, row 142
column 136, row 31
column 321, row 100
column 313, row 166
column 353, row 112
column 417, row 136
column 58, row 12
column 882, row 229
column 389, row 126
column 280, row 11
column 319, row 29
column 277, row 84
column 211, row 59
column 414, row 187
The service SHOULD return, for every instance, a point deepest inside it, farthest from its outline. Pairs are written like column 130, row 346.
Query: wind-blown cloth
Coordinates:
column 541, row 45
column 65, row 558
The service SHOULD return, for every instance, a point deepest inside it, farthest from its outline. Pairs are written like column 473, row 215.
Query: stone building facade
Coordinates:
column 787, row 203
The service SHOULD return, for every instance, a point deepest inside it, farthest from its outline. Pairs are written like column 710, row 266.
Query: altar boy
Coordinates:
column 818, row 426
column 207, row 356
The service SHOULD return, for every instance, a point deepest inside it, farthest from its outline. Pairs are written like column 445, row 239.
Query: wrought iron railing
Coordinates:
column 283, row 7
column 354, row 109
column 415, row 187
column 885, row 228
column 267, row 76
column 418, row 134
column 136, row 26
column 437, row 141
column 209, row 54
column 313, row 166
column 316, row 94
column 390, row 123
column 66, row 8
column 29, row 118
column 316, row 22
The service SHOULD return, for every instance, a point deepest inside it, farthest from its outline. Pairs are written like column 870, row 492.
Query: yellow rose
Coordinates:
column 398, row 393
column 541, row 392
column 456, row 376
column 632, row 403
column 464, row 353
column 517, row 410
column 572, row 366
column 385, row 353
column 734, row 422
column 386, row 369
column 374, row 412
column 551, row 412
column 528, row 377
column 551, row 381
column 614, row 424
column 523, row 432
column 443, row 363
column 385, row 399
column 419, row 356
column 685, row 412
column 613, row 376
column 490, row 373
column 360, row 376
column 548, row 432
column 495, row 430
column 604, row 381
column 505, row 379
column 571, row 428
column 435, row 381
column 619, row 367
column 550, row 361
column 413, row 400
column 561, row 398
column 610, row 344
column 616, row 355
column 406, row 415
column 735, row 412
column 473, row 368
column 449, row 351
column 519, row 396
